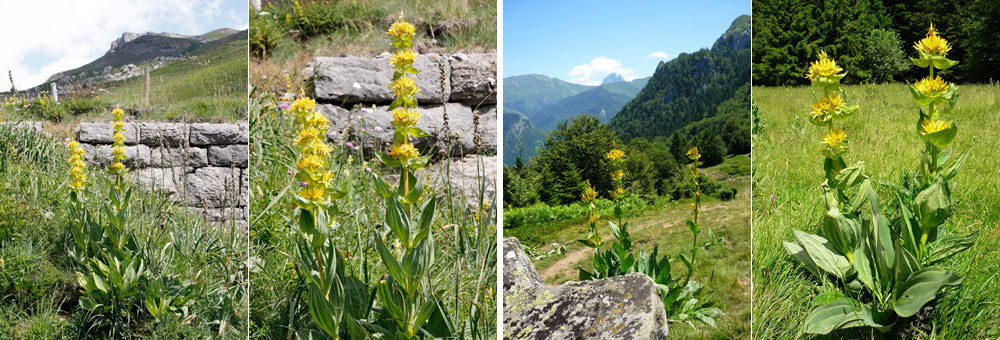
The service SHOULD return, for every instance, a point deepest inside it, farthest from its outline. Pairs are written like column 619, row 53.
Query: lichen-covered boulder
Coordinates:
column 621, row 307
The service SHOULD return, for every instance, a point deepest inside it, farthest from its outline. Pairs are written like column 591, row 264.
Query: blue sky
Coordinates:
column 584, row 41
column 66, row 34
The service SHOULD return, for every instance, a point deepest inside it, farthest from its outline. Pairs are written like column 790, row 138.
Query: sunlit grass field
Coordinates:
column 788, row 171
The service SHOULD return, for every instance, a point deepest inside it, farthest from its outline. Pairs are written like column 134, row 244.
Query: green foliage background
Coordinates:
column 787, row 35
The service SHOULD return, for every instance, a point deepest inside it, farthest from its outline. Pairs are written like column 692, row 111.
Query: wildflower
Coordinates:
column 378, row 129
column 823, row 68
column 588, row 193
column 304, row 105
column 78, row 168
column 617, row 175
column 284, row 105
column 931, row 87
column 404, row 87
column 615, row 155
column 932, row 44
column 403, row 58
column 693, row 154
column 441, row 150
column 933, row 125
column 835, row 143
column 617, row 192
column 401, row 30
column 593, row 216
column 404, row 117
column 118, row 148
column 403, row 152
column 349, row 144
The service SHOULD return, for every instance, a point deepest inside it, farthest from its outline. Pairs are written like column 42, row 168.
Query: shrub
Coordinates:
column 883, row 55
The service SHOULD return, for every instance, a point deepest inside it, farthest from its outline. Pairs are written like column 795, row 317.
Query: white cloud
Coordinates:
column 658, row 55
column 600, row 67
column 54, row 36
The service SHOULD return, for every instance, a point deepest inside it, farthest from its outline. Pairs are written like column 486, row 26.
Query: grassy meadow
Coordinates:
column 788, row 171
column 724, row 268
column 200, row 269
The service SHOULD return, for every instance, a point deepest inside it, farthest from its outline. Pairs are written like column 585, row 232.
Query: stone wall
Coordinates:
column 457, row 101
column 203, row 166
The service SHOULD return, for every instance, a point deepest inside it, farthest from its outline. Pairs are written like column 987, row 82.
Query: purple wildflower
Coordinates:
column 378, row 129
column 304, row 184
column 441, row 151
column 772, row 197
column 349, row 144
column 284, row 105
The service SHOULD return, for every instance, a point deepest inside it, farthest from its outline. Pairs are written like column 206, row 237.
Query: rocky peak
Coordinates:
column 613, row 78
column 124, row 39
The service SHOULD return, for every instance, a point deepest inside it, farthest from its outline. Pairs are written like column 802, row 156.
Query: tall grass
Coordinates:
column 786, row 196
column 465, row 238
column 175, row 243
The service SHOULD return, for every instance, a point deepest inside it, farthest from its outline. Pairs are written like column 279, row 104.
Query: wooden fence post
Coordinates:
column 145, row 96
column 55, row 93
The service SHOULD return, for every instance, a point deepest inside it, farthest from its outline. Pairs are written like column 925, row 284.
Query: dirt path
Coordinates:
column 566, row 266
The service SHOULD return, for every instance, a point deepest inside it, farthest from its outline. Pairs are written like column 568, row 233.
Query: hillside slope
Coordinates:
column 696, row 86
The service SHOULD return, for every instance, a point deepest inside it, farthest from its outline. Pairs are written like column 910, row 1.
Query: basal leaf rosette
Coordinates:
column 932, row 50
column 824, row 73
column 933, row 91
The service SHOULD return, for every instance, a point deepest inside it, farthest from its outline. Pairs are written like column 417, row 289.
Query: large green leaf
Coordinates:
column 839, row 314
column 399, row 221
column 800, row 254
column 950, row 245
column 933, row 205
column 822, row 253
column 391, row 264
column 921, row 287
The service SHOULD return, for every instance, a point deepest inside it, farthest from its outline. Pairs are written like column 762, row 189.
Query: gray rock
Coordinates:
column 102, row 133
column 219, row 134
column 169, row 181
column 621, row 307
column 473, row 78
column 230, row 155
column 351, row 80
column 169, row 134
column 212, row 187
column 362, row 126
column 136, row 156
column 464, row 175
column 164, row 157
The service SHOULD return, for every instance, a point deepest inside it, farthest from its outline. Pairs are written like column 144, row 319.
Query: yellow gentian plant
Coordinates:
column 881, row 267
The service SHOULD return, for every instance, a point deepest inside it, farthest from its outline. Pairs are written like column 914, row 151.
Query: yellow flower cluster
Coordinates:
column 404, row 116
column 401, row 31
column 403, row 58
column 931, row 87
column 835, row 143
column 118, row 147
column 932, row 44
column 932, row 125
column 823, row 68
column 313, row 177
column 693, row 154
column 78, row 168
column 826, row 108
column 404, row 152
column 404, row 86
column 615, row 155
